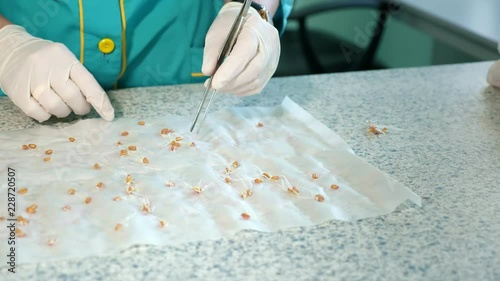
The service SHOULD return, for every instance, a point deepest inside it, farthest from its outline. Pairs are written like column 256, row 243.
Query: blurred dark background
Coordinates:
column 325, row 36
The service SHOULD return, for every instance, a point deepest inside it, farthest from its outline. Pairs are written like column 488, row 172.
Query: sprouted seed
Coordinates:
column 130, row 190
column 170, row 184
column 66, row 208
column 236, row 164
column 22, row 221
column 319, row 198
column 146, row 208
column 372, row 128
column 293, row 190
column 117, row 198
column 275, row 178
column 227, row 180
column 20, row 233
column 31, row 209
column 314, row 176
column 71, row 191
column 249, row 192
column 178, row 138
column 257, row 181
column 266, row 175
column 166, row 131
column 128, row 179
column 99, row 185
column 163, row 223
column 197, row 189
column 174, row 145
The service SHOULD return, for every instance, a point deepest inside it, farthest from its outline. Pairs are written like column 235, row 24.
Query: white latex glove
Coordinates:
column 494, row 72
column 494, row 75
column 44, row 78
column 255, row 55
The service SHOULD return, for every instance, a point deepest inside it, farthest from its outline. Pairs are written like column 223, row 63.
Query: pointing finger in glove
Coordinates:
column 93, row 92
column 44, row 78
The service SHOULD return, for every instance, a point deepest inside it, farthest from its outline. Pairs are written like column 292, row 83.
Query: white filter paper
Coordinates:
column 189, row 192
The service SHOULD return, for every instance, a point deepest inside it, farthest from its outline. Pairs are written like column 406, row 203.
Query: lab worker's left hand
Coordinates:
column 254, row 58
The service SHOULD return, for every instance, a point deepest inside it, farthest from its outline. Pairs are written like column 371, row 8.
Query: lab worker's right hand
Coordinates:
column 494, row 72
column 44, row 78
column 494, row 75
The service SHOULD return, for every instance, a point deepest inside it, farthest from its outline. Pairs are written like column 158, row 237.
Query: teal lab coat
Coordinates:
column 128, row 43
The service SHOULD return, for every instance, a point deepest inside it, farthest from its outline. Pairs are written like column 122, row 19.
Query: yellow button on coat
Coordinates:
column 106, row 46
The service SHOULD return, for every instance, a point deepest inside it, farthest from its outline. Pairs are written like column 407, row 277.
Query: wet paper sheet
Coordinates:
column 98, row 187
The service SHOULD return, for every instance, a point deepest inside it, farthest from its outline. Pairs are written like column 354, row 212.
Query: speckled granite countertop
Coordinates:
column 444, row 144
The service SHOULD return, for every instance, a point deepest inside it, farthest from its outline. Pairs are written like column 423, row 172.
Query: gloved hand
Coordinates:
column 255, row 55
column 44, row 78
column 494, row 73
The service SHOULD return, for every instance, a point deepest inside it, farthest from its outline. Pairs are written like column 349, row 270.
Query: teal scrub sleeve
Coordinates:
column 281, row 16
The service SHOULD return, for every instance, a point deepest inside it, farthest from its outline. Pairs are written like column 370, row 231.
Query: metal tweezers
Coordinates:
column 228, row 47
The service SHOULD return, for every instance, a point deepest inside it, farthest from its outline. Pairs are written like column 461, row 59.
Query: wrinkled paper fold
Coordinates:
column 290, row 144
